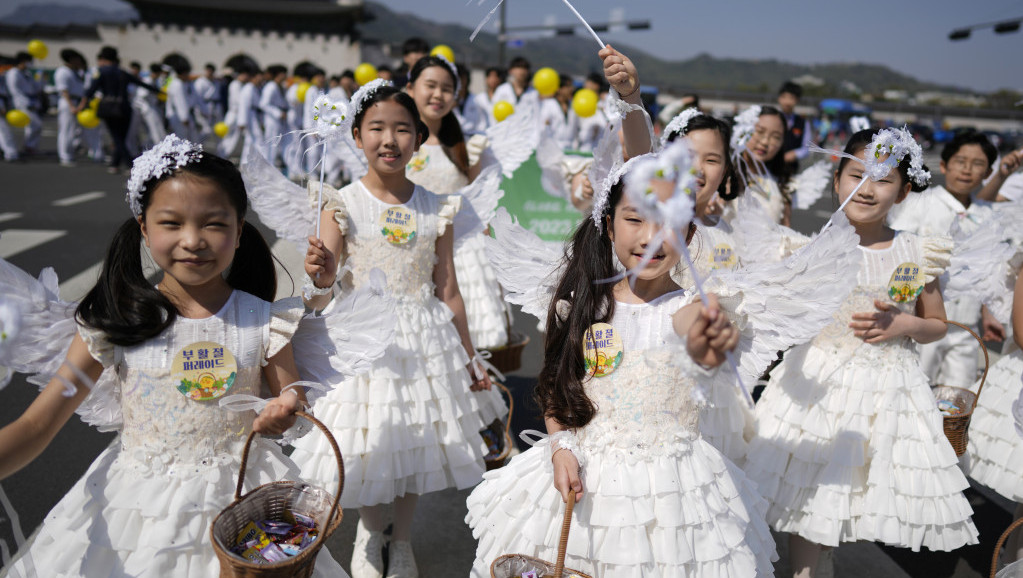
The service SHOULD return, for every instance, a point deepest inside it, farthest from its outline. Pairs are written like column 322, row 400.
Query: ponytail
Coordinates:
column 252, row 269
column 559, row 390
column 124, row 304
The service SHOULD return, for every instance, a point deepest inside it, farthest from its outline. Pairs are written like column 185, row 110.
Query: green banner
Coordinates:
column 551, row 218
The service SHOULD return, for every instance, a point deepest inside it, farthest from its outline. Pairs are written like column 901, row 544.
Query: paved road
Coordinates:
column 64, row 217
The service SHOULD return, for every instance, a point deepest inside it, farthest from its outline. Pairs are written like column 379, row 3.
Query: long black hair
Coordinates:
column 859, row 142
column 450, row 134
column 731, row 186
column 776, row 166
column 559, row 389
column 390, row 93
column 127, row 307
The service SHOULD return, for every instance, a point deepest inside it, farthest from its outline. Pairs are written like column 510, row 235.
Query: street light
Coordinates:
column 1003, row 27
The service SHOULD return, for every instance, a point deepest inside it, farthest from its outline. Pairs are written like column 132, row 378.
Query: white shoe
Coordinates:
column 402, row 564
column 368, row 555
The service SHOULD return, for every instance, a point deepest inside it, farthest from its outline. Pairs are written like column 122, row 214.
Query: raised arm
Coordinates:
column 621, row 74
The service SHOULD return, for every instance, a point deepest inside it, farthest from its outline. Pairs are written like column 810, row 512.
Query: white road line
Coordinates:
column 14, row 241
column 76, row 287
column 10, row 216
column 76, row 199
column 823, row 214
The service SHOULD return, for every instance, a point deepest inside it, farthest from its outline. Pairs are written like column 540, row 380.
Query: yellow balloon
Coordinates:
column 365, row 73
column 303, row 88
column 584, row 103
column 220, row 129
column 38, row 49
column 94, row 103
column 445, row 51
column 88, row 118
column 18, row 119
column 546, row 81
column 503, row 109
column 161, row 96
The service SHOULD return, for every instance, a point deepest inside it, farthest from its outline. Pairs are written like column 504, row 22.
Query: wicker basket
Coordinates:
column 497, row 461
column 508, row 358
column 957, row 426
column 271, row 502
column 513, row 565
column 1013, row 569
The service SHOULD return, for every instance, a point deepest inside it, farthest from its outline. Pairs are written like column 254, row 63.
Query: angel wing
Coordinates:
column 985, row 263
column 513, row 140
column 760, row 238
column 484, row 193
column 280, row 204
column 783, row 304
column 606, row 158
column 527, row 267
column 362, row 324
column 353, row 159
column 810, row 185
column 551, row 159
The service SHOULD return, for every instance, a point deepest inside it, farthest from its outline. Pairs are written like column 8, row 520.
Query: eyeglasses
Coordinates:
column 962, row 163
column 771, row 138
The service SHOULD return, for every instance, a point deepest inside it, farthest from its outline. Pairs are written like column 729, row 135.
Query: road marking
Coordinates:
column 14, row 241
column 76, row 287
column 4, row 217
column 823, row 214
column 76, row 199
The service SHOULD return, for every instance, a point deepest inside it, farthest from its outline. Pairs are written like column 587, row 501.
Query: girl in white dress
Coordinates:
column 849, row 443
column 759, row 134
column 656, row 499
column 442, row 165
column 410, row 425
column 145, row 506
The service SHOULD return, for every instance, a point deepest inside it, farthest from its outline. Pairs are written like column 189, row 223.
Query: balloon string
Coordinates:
column 319, row 202
column 585, row 23
column 706, row 303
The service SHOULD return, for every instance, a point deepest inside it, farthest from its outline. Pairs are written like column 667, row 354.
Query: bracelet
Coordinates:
column 310, row 290
column 624, row 96
column 564, row 440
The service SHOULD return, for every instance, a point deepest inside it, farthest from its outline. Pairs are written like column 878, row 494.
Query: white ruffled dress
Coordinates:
column 658, row 501
column 410, row 423
column 849, row 442
column 995, row 447
column 485, row 309
column 145, row 506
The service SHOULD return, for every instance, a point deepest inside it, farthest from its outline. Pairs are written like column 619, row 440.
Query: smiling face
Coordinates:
column 631, row 235
column 874, row 198
column 434, row 93
column 768, row 136
column 708, row 148
column 388, row 137
column 966, row 169
column 191, row 230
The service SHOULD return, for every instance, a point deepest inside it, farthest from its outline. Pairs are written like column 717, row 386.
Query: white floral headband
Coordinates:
column 745, row 124
column 366, row 91
column 894, row 144
column 170, row 154
column 679, row 123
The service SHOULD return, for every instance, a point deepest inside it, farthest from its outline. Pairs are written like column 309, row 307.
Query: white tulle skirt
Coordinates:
column 485, row 308
column 685, row 512
column 995, row 449
column 854, row 450
column 118, row 521
column 410, row 424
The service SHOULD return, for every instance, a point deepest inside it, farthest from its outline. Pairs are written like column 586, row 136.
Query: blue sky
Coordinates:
column 908, row 36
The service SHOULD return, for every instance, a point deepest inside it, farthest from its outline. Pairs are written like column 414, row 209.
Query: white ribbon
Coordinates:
column 482, row 359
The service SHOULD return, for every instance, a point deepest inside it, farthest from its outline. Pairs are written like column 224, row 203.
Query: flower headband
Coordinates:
column 895, row 144
column 170, row 154
column 679, row 123
column 745, row 124
column 366, row 91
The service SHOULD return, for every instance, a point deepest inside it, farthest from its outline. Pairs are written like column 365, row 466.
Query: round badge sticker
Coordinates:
column 723, row 257
column 398, row 225
column 907, row 283
column 204, row 371
column 602, row 349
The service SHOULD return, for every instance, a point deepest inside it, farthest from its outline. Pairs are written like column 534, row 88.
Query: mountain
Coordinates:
column 61, row 15
column 575, row 56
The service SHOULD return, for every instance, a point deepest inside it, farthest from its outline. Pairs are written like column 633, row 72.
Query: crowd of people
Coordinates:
column 681, row 286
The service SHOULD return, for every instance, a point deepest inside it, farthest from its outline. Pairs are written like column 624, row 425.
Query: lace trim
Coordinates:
column 285, row 316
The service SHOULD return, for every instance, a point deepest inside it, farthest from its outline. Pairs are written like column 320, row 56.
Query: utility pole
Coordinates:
column 502, row 29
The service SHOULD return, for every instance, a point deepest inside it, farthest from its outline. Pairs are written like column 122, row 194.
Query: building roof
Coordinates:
column 316, row 16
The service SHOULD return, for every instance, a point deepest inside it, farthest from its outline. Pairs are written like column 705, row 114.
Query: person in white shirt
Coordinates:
column 8, row 145
column 485, row 100
column 557, row 116
column 940, row 210
column 296, row 113
column 181, row 98
column 517, row 89
column 472, row 118
column 274, row 107
column 146, row 103
column 317, row 85
column 249, row 116
column 70, row 89
column 207, row 90
column 27, row 95
column 592, row 128
column 229, row 143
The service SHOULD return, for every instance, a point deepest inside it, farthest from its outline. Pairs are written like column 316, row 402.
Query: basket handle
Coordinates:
column 1001, row 542
column 987, row 359
column 566, row 525
column 333, row 445
column 511, row 408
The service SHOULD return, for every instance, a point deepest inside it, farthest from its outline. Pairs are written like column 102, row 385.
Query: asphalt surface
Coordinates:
column 64, row 217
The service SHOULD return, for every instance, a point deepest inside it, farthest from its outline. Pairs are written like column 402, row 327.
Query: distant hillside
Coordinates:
column 61, row 15
column 575, row 55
